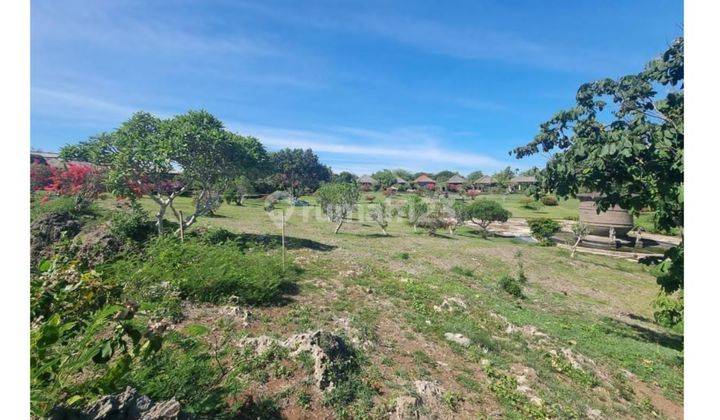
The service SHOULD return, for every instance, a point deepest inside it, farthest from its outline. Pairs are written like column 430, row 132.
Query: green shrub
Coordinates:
column 484, row 211
column 216, row 236
column 549, row 200
column 668, row 309
column 543, row 229
column 462, row 271
column 511, row 286
column 185, row 371
column 44, row 203
column 212, row 273
column 528, row 203
column 134, row 224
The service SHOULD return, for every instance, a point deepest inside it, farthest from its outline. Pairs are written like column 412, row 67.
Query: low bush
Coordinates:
column 217, row 236
column 212, row 273
column 543, row 229
column 370, row 198
column 134, row 224
column 549, row 200
column 462, row 271
column 528, row 203
column 45, row 203
column 511, row 286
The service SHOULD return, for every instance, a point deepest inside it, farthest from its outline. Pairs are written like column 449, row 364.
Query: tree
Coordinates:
column 98, row 149
column 298, row 170
column 459, row 215
column 402, row 173
column 237, row 190
column 472, row 176
column 629, row 149
column 415, row 209
column 484, row 211
column 443, row 176
column 344, row 177
column 144, row 151
column 534, row 171
column 380, row 214
column 337, row 201
column 385, row 178
column 543, row 229
column 436, row 218
column 140, row 160
column 503, row 177
column 580, row 230
column 211, row 158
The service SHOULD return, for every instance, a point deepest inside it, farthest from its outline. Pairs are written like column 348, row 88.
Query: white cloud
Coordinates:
column 361, row 150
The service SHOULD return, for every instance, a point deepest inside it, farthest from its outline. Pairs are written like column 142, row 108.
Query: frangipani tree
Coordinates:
column 164, row 158
column 210, row 157
column 337, row 201
column 624, row 138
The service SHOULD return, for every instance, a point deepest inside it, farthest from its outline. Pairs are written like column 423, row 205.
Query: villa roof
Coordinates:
column 523, row 180
column 424, row 178
column 485, row 180
column 53, row 159
column 457, row 179
column 366, row 179
column 399, row 180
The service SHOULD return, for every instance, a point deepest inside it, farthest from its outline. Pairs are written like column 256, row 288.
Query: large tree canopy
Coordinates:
column 624, row 138
column 298, row 170
column 144, row 151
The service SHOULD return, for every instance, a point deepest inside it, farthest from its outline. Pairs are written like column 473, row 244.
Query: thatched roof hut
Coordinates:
column 366, row 180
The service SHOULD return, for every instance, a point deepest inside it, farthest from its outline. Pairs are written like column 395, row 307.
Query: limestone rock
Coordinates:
column 127, row 405
column 98, row 245
column 458, row 338
column 329, row 351
column 48, row 229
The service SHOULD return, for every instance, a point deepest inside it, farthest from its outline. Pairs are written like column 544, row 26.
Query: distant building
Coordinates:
column 366, row 182
column 484, row 183
column 456, row 183
column 53, row 160
column 424, row 181
column 400, row 181
column 521, row 182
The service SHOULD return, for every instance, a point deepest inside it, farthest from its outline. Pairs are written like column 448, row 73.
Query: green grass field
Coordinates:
column 582, row 334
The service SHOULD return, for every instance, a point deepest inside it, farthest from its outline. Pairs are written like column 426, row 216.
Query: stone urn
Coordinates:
column 600, row 224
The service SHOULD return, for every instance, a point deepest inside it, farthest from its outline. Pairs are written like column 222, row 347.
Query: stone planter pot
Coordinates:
column 600, row 224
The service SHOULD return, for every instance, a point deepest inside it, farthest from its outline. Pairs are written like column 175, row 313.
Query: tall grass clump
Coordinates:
column 213, row 272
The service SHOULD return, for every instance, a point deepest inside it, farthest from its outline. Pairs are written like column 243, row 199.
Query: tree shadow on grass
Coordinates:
column 248, row 240
column 371, row 235
column 638, row 332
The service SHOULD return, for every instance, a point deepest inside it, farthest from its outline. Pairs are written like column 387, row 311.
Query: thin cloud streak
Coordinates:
column 416, row 150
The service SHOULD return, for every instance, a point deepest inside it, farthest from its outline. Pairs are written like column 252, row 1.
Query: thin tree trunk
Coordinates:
column 572, row 254
column 383, row 230
column 339, row 225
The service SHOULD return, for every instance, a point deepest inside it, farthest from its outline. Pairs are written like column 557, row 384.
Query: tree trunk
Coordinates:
column 383, row 230
column 572, row 254
column 159, row 218
column 339, row 225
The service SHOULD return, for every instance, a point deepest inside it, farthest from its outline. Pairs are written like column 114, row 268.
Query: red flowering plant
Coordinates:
column 473, row 193
column 81, row 181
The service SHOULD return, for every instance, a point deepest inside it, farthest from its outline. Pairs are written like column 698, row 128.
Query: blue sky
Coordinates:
column 367, row 85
